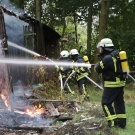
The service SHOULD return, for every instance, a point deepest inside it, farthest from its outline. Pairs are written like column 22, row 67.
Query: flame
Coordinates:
column 5, row 100
column 34, row 111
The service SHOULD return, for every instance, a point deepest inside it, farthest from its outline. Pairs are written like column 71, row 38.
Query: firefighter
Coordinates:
column 113, row 82
column 81, row 80
column 65, row 70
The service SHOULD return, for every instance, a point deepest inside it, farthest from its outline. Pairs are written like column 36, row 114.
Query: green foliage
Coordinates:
column 121, row 27
column 19, row 4
column 60, row 14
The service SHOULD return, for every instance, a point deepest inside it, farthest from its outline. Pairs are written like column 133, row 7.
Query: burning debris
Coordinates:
column 28, row 110
column 31, row 113
column 25, row 116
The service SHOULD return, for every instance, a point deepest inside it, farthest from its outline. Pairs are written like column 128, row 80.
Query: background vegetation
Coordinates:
column 85, row 22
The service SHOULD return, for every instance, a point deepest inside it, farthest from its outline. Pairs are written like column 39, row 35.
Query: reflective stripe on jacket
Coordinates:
column 80, row 70
column 108, row 66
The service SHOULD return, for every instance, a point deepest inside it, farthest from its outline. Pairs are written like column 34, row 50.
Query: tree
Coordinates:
column 89, row 28
column 19, row 4
column 121, row 28
column 104, row 12
column 38, row 9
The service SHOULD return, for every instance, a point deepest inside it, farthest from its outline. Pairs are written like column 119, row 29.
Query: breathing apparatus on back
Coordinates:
column 74, row 55
column 124, row 62
column 106, row 46
column 86, row 59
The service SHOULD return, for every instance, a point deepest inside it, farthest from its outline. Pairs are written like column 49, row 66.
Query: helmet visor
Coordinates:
column 100, row 49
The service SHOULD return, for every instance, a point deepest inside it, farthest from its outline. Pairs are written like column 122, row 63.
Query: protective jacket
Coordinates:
column 109, row 66
column 79, row 70
column 114, row 82
column 81, row 79
column 65, row 71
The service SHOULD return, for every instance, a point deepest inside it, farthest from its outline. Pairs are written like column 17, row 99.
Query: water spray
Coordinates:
column 61, row 81
column 31, row 62
column 40, row 62
column 54, row 63
column 22, row 48
column 36, row 54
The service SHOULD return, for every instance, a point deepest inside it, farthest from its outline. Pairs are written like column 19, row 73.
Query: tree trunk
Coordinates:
column 64, row 28
column 105, row 5
column 89, row 29
column 40, row 36
column 38, row 9
column 75, row 24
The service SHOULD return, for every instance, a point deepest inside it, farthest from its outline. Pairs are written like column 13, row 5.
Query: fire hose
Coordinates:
column 131, row 77
column 61, row 82
column 84, row 76
column 90, row 79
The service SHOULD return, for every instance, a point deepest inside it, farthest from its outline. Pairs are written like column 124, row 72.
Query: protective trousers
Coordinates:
column 115, row 113
column 67, row 87
column 82, row 88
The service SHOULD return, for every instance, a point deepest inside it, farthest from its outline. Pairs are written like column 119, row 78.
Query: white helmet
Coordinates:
column 64, row 54
column 74, row 52
column 105, row 42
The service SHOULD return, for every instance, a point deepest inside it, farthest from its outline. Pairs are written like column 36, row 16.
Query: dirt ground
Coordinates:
column 75, row 119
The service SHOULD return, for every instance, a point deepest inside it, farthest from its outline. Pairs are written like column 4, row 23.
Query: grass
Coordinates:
column 130, row 109
column 129, row 96
column 93, row 108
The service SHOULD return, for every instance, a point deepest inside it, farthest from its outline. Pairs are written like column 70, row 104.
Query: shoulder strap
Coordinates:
column 119, row 72
column 118, row 62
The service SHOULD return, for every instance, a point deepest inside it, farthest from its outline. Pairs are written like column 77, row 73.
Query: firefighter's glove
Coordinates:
column 58, row 69
column 82, row 70
column 100, row 56
column 93, row 65
column 77, row 71
column 68, row 75
column 73, row 74
column 97, row 68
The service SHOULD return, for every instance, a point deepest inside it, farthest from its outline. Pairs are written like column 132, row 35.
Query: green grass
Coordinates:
column 130, row 128
column 95, row 99
column 130, row 110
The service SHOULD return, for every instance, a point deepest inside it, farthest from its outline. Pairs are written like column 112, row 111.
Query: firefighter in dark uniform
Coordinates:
column 65, row 70
column 81, row 80
column 113, row 82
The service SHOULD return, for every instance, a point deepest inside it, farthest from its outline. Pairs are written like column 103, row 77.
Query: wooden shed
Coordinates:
column 29, row 33
column 42, row 38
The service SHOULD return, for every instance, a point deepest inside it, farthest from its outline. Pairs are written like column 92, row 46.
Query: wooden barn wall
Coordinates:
column 38, row 39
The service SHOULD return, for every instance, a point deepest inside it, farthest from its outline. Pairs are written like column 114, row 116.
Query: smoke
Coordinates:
column 8, row 5
column 15, row 34
column 20, row 103
column 14, row 26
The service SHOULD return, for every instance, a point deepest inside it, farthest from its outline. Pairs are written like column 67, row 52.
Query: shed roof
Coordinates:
column 51, row 34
